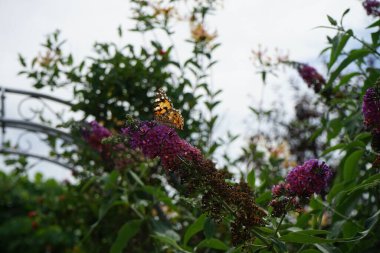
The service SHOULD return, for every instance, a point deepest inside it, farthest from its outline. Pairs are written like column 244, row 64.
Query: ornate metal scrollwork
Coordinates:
column 35, row 124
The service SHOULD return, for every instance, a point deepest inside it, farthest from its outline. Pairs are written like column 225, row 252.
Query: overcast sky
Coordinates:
column 241, row 25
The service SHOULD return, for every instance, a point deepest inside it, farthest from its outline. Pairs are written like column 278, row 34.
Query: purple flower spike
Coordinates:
column 311, row 177
column 95, row 134
column 372, row 7
column 156, row 140
column 371, row 109
column 311, row 77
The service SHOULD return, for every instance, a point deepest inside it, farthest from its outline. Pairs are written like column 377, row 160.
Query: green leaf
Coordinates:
column 344, row 79
column 327, row 248
column 370, row 182
column 87, row 184
column 251, row 179
column 209, row 228
column 334, row 128
column 332, row 21
column 264, row 197
column 70, row 60
column 370, row 224
column 103, row 210
column 213, row 244
column 213, row 148
column 111, row 180
column 136, row 177
column 310, row 251
column 337, row 50
column 169, row 241
column 120, row 31
column 333, row 148
column 194, row 228
column 264, row 76
column 160, row 195
column 315, row 135
column 304, row 237
column 309, row 232
column 350, row 169
column 352, row 56
column 364, row 135
column 356, row 144
column 126, row 232
column 349, row 229
column 254, row 110
column 374, row 24
column 375, row 38
column 21, row 59
column 344, row 14
column 336, row 189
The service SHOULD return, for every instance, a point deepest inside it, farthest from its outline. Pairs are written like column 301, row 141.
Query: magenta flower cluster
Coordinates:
column 371, row 109
column 301, row 183
column 311, row 77
column 311, row 177
column 94, row 135
column 280, row 190
column 156, row 140
column 372, row 7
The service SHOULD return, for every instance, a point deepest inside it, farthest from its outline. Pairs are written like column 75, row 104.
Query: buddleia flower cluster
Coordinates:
column 371, row 109
column 313, row 177
column 93, row 133
column 116, row 156
column 371, row 115
column 155, row 140
column 199, row 177
column 311, row 76
column 372, row 7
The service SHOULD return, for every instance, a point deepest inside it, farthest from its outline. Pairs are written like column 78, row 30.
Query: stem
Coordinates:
column 137, row 212
column 261, row 107
column 341, row 28
column 228, row 207
column 303, row 246
column 261, row 238
column 279, row 224
column 344, row 217
column 283, row 216
column 340, row 214
column 366, row 45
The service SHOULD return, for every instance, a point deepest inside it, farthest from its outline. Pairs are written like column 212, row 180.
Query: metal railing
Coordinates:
column 26, row 125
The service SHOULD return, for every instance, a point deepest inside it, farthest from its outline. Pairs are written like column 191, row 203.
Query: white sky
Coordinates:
column 241, row 25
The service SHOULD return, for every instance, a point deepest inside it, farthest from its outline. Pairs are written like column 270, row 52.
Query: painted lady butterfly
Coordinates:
column 165, row 113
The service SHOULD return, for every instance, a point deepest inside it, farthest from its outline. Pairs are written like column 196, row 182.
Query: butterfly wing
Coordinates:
column 175, row 118
column 162, row 103
column 165, row 113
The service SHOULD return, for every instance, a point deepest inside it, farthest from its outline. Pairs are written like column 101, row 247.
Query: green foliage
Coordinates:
column 30, row 214
column 126, row 232
column 124, row 202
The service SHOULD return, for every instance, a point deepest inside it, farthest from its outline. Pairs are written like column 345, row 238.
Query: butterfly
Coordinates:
column 165, row 113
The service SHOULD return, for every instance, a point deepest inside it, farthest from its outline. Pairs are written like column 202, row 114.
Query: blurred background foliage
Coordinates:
column 131, row 207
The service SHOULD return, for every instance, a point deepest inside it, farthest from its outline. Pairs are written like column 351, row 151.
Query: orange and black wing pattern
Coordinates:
column 165, row 113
